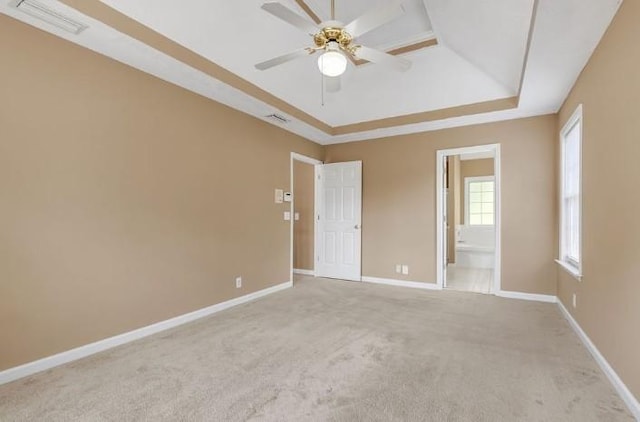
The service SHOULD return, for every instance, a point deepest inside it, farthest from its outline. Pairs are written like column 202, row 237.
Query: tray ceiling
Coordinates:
column 472, row 61
column 236, row 35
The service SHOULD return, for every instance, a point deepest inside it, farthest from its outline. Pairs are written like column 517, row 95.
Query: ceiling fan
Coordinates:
column 336, row 40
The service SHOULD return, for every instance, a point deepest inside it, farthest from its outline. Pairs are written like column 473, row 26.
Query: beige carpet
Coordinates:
column 337, row 351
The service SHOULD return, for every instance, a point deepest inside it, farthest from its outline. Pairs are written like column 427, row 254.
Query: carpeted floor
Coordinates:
column 337, row 351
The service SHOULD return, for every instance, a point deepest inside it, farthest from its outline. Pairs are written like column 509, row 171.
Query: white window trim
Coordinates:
column 468, row 180
column 574, row 270
column 571, row 269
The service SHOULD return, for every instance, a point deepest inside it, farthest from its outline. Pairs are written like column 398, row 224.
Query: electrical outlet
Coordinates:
column 405, row 269
column 238, row 282
column 575, row 300
column 398, row 268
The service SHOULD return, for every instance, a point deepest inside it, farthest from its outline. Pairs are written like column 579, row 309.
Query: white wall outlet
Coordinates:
column 575, row 300
column 405, row 269
column 287, row 215
column 238, row 282
column 398, row 268
column 296, row 216
column 279, row 196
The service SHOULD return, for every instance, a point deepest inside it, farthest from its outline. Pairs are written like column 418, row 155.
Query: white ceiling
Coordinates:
column 480, row 56
column 491, row 36
column 439, row 78
column 414, row 24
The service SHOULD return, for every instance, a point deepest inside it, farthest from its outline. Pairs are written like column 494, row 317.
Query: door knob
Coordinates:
column 356, row 227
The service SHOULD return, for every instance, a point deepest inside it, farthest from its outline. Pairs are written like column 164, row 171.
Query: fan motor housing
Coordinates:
column 330, row 33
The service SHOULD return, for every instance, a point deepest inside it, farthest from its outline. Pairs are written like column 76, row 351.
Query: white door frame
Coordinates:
column 303, row 158
column 440, row 255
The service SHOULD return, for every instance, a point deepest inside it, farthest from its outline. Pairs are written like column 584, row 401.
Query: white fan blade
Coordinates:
column 379, row 57
column 375, row 18
column 332, row 84
column 283, row 59
column 289, row 16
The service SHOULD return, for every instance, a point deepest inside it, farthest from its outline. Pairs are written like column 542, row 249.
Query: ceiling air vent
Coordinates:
column 278, row 118
column 44, row 13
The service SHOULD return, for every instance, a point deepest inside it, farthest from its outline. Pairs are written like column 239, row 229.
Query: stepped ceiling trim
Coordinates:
column 123, row 23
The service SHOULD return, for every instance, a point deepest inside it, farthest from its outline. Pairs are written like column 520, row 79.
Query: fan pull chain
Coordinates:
column 333, row 10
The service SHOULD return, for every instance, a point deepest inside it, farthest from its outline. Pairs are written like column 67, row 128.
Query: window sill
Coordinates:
column 573, row 271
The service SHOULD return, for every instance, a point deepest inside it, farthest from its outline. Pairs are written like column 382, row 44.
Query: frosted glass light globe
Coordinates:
column 332, row 63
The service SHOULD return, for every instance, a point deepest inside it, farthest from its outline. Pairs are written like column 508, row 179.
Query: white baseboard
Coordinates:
column 304, row 272
column 630, row 400
column 528, row 296
column 401, row 283
column 30, row 368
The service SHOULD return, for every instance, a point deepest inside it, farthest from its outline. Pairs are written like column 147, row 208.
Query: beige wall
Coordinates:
column 476, row 168
column 124, row 200
column 399, row 195
column 303, row 229
column 472, row 168
column 609, row 295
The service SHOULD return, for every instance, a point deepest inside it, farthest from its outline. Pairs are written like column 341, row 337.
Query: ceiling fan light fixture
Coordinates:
column 334, row 41
column 332, row 63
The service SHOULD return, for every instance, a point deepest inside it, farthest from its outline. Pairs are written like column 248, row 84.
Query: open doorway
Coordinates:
column 303, row 204
column 469, row 219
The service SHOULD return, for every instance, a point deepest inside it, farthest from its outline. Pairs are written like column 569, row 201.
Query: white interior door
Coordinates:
column 339, row 221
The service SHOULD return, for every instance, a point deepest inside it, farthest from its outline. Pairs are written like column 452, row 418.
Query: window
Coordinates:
column 479, row 201
column 570, row 193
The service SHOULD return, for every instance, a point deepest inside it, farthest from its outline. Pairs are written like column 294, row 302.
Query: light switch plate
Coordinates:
column 287, row 216
column 296, row 216
column 405, row 269
column 279, row 196
column 398, row 268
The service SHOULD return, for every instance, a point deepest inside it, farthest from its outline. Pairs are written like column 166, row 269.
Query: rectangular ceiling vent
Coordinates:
column 278, row 118
column 44, row 13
